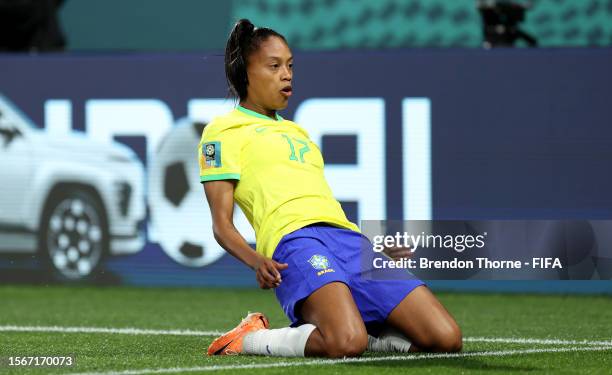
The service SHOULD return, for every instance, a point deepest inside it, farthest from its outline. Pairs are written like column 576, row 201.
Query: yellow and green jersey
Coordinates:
column 281, row 186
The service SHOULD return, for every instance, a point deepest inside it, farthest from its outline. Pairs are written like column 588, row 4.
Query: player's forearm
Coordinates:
column 232, row 241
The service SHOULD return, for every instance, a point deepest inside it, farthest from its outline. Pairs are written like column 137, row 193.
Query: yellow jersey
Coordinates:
column 281, row 186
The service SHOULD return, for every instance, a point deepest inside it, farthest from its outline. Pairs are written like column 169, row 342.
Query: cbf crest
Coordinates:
column 211, row 153
column 320, row 262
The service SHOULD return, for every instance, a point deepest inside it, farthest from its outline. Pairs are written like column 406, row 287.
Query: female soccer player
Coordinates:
column 306, row 248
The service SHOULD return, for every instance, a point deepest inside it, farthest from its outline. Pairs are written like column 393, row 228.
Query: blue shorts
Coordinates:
column 320, row 254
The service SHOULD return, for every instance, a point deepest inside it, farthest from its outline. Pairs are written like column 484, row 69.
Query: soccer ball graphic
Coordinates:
column 210, row 150
column 180, row 218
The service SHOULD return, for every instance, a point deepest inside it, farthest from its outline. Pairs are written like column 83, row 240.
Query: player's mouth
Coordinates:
column 286, row 91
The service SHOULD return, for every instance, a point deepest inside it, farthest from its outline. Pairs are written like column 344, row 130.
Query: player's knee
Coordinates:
column 449, row 340
column 445, row 338
column 348, row 344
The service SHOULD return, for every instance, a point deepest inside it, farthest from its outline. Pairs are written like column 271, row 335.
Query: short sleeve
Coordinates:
column 219, row 155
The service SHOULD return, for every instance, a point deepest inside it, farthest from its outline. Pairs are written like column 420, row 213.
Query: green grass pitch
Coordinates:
column 503, row 333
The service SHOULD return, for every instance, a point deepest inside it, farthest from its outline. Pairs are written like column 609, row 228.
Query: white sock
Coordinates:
column 282, row 342
column 390, row 340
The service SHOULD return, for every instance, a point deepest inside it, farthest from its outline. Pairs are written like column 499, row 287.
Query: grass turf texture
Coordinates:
column 528, row 316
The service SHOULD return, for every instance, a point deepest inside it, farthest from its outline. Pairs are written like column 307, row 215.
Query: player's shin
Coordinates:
column 282, row 342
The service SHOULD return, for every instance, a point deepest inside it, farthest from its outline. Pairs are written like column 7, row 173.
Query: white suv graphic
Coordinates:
column 66, row 198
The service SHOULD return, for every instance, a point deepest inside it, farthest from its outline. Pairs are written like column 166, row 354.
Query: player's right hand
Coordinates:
column 267, row 272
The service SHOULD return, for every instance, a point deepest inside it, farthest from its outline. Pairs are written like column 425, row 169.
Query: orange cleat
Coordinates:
column 231, row 342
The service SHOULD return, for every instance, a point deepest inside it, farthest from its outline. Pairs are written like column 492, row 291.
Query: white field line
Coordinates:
column 316, row 362
column 180, row 332
column 125, row 331
column 527, row 340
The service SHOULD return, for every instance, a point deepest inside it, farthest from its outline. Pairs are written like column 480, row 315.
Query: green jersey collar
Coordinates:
column 253, row 113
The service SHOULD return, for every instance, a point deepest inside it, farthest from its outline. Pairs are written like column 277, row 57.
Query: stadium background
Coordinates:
column 515, row 134
column 415, row 119
column 323, row 24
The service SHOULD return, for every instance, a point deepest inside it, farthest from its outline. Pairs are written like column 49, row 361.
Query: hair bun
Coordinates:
column 244, row 30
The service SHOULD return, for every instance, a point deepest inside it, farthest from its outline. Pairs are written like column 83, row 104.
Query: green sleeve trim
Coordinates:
column 222, row 176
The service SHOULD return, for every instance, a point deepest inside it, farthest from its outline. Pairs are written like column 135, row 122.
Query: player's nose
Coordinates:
column 286, row 74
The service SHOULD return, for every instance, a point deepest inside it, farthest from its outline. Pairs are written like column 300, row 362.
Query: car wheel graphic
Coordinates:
column 74, row 234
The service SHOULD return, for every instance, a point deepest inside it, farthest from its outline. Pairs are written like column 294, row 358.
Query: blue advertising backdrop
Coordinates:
column 511, row 134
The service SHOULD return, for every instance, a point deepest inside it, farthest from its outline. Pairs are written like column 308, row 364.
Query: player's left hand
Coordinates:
column 267, row 272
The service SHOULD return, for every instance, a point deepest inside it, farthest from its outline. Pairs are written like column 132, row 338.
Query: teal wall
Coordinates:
column 320, row 24
column 145, row 24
